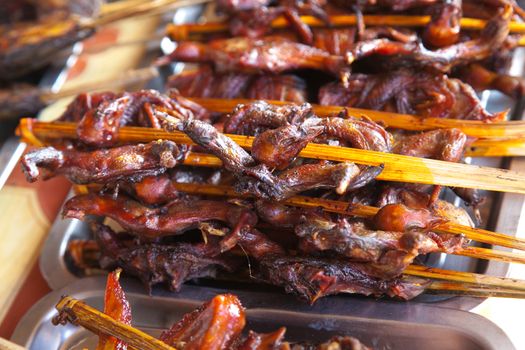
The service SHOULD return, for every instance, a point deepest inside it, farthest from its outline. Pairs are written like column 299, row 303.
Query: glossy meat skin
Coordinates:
column 491, row 38
column 313, row 278
column 173, row 219
column 213, row 326
column 99, row 126
column 444, row 27
column 269, row 55
column 172, row 264
column 117, row 307
column 104, row 165
column 400, row 218
column 203, row 82
column 424, row 94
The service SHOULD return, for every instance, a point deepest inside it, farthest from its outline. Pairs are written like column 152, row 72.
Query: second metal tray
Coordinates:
column 384, row 326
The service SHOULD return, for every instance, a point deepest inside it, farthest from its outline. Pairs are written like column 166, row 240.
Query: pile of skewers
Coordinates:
column 316, row 199
column 217, row 324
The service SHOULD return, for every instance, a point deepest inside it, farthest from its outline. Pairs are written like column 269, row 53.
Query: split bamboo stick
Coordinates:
column 183, row 31
column 396, row 167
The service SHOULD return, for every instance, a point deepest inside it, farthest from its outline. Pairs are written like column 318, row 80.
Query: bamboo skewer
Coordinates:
column 396, row 167
column 183, row 31
column 471, row 290
column 78, row 312
column 465, row 277
column 479, row 129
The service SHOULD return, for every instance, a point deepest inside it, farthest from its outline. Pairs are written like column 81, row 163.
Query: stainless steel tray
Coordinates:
column 379, row 324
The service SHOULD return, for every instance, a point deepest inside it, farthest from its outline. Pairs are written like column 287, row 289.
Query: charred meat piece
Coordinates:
column 20, row 100
column 203, row 82
column 104, row 165
column 443, row 29
column 173, row 219
column 313, row 278
column 172, row 264
column 287, row 87
column 422, row 93
column 389, row 251
column 214, row 325
column 99, row 126
column 490, row 40
column 256, row 117
column 269, row 55
column 262, row 341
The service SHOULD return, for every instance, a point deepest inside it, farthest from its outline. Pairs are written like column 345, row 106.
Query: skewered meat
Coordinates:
column 172, row 264
column 291, row 123
column 104, row 165
column 173, row 219
column 205, row 83
column 269, row 55
column 29, row 46
column 490, row 40
column 256, row 117
column 257, row 178
column 313, row 278
column 423, row 94
column 20, row 100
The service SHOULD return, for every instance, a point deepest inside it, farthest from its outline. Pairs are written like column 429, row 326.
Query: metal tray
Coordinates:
column 502, row 212
column 379, row 324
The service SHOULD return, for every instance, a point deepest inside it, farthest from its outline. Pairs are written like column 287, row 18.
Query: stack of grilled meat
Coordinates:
column 143, row 224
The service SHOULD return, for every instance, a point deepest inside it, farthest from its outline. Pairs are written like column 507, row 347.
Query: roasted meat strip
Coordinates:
column 20, row 100
column 424, row 94
column 491, row 38
column 172, row 264
column 172, row 219
column 313, row 278
column 104, row 165
column 269, row 55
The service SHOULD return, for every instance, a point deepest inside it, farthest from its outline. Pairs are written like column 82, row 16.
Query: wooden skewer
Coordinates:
column 497, row 148
column 465, row 277
column 396, row 167
column 471, row 290
column 479, row 129
column 182, row 31
column 78, row 312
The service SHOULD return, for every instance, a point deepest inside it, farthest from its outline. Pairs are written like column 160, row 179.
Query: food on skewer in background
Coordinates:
column 217, row 324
